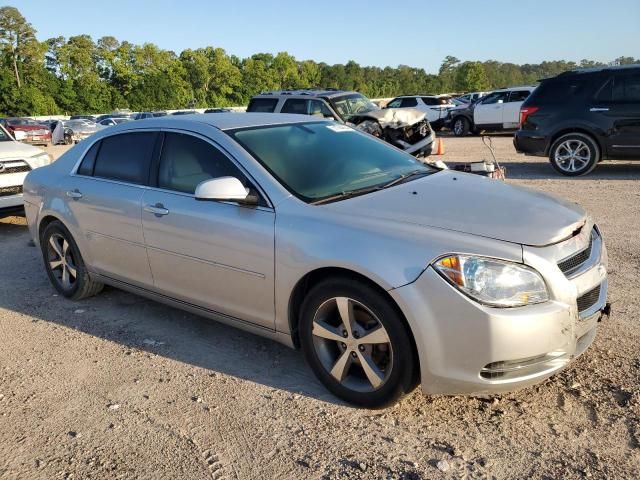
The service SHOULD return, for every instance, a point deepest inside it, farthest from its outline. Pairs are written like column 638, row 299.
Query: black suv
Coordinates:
column 582, row 117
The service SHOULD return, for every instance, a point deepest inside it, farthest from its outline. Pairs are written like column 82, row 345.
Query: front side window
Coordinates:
column 295, row 105
column 318, row 160
column 125, row 157
column 518, row 96
column 495, row 98
column 318, row 108
column 395, row 103
column 186, row 161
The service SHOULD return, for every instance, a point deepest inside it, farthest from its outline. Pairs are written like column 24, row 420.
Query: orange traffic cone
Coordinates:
column 439, row 147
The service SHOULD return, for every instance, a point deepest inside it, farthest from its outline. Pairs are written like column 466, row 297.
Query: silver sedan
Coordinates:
column 386, row 272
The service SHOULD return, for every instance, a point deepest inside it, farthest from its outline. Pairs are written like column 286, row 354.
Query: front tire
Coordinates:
column 64, row 264
column 357, row 343
column 461, row 127
column 574, row 154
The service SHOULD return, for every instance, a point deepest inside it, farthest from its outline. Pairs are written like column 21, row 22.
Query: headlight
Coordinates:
column 497, row 283
column 40, row 160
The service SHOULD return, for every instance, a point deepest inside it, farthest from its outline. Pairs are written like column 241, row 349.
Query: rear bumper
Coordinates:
column 530, row 143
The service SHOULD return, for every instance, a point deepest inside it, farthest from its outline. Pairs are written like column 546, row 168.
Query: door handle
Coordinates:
column 158, row 209
column 598, row 109
column 75, row 194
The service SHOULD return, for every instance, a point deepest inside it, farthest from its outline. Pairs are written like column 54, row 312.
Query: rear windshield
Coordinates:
column 267, row 105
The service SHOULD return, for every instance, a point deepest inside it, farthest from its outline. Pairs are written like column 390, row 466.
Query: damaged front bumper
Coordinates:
column 465, row 347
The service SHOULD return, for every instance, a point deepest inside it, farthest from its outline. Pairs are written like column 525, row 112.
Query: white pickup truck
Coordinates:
column 16, row 161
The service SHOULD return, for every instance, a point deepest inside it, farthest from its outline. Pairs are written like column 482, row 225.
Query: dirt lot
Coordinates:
column 121, row 387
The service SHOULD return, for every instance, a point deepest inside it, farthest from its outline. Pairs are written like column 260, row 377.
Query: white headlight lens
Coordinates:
column 40, row 160
column 494, row 282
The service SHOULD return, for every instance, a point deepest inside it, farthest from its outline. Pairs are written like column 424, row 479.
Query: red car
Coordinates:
column 34, row 132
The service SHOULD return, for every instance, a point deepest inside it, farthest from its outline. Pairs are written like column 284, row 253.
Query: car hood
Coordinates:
column 29, row 128
column 471, row 204
column 391, row 117
column 11, row 149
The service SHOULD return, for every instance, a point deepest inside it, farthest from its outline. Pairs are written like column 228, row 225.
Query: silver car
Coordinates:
column 385, row 271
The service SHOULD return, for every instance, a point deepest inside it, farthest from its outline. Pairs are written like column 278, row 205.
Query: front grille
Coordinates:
column 14, row 167
column 7, row 191
column 574, row 262
column 589, row 299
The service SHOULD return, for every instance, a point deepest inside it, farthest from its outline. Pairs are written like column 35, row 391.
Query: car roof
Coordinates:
column 311, row 92
column 221, row 121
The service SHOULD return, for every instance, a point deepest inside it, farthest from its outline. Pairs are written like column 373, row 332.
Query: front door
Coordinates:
column 217, row 255
column 488, row 112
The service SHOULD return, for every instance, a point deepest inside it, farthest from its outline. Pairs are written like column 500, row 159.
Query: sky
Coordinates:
column 376, row 32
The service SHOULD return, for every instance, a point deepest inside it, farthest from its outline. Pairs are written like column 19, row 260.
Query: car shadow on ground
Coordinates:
column 137, row 323
column 537, row 170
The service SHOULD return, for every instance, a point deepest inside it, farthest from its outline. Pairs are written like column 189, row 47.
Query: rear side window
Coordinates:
column 295, row 105
column 626, row 89
column 430, row 101
column 408, row 102
column 518, row 96
column 560, row 90
column 262, row 105
column 125, row 157
column 89, row 161
column 187, row 161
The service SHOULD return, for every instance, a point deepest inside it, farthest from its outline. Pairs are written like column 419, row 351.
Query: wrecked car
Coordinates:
column 80, row 129
column 407, row 128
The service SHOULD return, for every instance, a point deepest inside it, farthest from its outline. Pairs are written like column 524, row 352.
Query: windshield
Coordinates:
column 318, row 160
column 352, row 104
column 4, row 136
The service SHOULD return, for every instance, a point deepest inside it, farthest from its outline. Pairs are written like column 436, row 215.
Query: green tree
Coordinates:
column 17, row 37
column 471, row 77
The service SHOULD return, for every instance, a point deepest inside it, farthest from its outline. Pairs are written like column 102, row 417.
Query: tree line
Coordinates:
column 79, row 75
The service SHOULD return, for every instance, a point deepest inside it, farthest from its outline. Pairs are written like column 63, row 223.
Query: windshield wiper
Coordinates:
column 406, row 176
column 347, row 194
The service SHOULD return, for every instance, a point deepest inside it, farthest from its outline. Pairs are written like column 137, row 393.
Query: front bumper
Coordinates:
column 423, row 147
column 11, row 204
column 468, row 348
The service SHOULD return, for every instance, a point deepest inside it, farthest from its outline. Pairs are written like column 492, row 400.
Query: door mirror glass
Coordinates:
column 225, row 189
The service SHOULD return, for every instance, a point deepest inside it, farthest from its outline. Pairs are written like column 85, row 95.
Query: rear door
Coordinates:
column 511, row 108
column 618, row 104
column 217, row 255
column 105, row 196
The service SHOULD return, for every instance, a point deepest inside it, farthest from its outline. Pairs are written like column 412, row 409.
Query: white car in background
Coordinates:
column 497, row 111
column 435, row 106
column 16, row 161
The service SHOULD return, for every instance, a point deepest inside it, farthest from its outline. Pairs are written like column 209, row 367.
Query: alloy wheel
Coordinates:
column 61, row 261
column 458, row 127
column 352, row 344
column 572, row 156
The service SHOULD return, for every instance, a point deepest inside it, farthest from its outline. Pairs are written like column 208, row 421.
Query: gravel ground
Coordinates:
column 121, row 387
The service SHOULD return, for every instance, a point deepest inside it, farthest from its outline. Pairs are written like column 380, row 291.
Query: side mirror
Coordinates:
column 19, row 135
column 225, row 189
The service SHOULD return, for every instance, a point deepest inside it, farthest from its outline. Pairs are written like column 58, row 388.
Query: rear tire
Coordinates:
column 367, row 360
column 574, row 154
column 64, row 264
column 460, row 126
